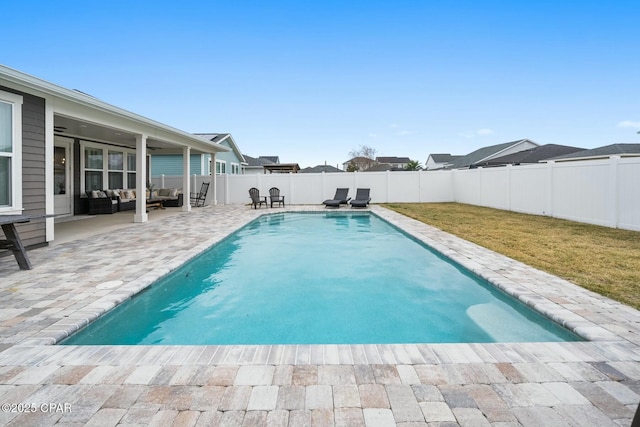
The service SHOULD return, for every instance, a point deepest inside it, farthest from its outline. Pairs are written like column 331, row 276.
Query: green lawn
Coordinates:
column 604, row 260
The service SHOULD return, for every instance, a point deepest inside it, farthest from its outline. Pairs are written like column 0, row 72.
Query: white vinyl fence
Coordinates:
column 603, row 192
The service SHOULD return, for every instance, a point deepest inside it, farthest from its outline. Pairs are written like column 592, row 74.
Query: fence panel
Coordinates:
column 580, row 191
column 628, row 194
column 603, row 192
column 466, row 186
column 528, row 189
column 494, row 187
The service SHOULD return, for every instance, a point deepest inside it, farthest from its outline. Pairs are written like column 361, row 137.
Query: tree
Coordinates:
column 413, row 165
column 362, row 159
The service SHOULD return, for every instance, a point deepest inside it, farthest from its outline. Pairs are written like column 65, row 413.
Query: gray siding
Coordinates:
column 33, row 168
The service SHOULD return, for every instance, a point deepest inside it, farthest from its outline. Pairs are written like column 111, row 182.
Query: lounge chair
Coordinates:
column 341, row 198
column 197, row 199
column 274, row 196
column 256, row 199
column 362, row 198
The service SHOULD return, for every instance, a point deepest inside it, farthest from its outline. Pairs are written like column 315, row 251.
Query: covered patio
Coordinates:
column 88, row 145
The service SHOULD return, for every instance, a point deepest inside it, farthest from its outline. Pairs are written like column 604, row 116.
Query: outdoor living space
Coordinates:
column 83, row 226
column 81, row 276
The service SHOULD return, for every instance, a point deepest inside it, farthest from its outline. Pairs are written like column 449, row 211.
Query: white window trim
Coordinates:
column 105, row 163
column 221, row 162
column 235, row 168
column 16, row 155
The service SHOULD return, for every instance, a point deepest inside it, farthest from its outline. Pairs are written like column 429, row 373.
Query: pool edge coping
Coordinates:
column 43, row 342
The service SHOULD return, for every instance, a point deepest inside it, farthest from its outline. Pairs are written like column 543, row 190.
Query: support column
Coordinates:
column 186, row 183
column 48, row 171
column 141, row 179
column 214, row 179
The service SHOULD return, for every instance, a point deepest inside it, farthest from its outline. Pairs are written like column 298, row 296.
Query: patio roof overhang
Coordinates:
column 76, row 114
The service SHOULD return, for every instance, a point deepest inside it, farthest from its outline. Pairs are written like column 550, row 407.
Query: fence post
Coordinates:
column 291, row 188
column 480, row 186
column 509, row 169
column 226, row 189
column 549, row 205
column 386, row 185
column 613, row 210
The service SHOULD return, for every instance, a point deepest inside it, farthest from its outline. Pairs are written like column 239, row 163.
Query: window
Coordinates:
column 221, row 167
column 107, row 168
column 235, row 168
column 10, row 153
column 116, row 169
column 131, row 170
column 93, row 166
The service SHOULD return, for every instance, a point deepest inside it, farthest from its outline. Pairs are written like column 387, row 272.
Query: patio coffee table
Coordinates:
column 155, row 203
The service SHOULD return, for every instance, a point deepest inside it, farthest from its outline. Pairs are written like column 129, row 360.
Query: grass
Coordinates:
column 604, row 260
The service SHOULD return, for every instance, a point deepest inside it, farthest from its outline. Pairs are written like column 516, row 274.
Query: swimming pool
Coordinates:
column 320, row 278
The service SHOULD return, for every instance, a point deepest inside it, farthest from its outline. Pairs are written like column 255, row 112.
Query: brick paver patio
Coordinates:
column 591, row 383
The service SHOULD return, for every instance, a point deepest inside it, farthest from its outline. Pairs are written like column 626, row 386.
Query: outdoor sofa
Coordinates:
column 112, row 201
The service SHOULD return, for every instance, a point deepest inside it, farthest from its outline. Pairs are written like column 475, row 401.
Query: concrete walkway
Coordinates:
column 591, row 383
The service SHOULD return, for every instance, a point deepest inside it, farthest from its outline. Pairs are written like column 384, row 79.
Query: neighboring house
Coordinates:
column 532, row 155
column 439, row 161
column 272, row 159
column 622, row 150
column 397, row 163
column 271, row 164
column 62, row 143
column 320, row 169
column 282, row 168
column 255, row 165
column 229, row 162
column 483, row 155
column 232, row 162
column 382, row 167
column 361, row 163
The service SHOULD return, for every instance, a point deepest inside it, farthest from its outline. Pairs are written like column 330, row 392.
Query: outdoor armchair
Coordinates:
column 274, row 196
column 256, row 199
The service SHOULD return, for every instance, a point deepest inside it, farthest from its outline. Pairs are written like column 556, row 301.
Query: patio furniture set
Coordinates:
column 341, row 198
column 112, row 201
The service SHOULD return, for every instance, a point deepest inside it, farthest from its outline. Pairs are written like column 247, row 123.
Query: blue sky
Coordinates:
column 312, row 81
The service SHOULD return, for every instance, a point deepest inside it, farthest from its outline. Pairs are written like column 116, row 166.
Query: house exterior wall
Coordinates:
column 33, row 168
column 171, row 164
column 230, row 158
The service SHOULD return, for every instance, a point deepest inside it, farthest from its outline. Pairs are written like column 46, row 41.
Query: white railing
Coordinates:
column 603, row 192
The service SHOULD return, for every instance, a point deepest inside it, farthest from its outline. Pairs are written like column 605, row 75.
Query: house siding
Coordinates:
column 33, row 169
column 169, row 164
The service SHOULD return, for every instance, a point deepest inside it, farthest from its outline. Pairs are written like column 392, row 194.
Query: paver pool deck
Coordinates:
column 590, row 383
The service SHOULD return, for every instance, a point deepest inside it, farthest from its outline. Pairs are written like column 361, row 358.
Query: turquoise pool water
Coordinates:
column 320, row 278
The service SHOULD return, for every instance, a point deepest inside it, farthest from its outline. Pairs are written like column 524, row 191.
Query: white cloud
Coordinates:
column 479, row 132
column 629, row 124
column 373, row 135
column 404, row 133
column 393, row 125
